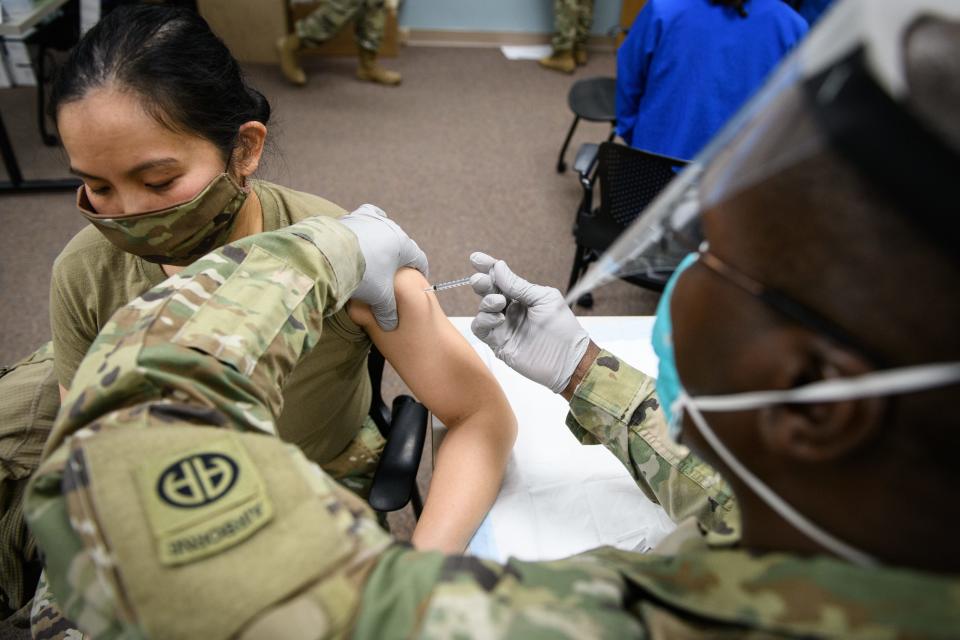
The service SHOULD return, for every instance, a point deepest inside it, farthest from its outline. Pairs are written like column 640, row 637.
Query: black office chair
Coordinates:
column 405, row 428
column 58, row 33
column 629, row 180
column 592, row 99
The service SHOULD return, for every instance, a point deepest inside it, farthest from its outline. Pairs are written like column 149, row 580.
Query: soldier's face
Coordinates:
column 725, row 340
column 129, row 162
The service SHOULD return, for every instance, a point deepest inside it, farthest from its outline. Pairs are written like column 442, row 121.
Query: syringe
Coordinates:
column 440, row 286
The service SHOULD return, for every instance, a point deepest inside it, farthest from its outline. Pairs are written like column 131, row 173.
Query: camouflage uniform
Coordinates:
column 166, row 494
column 572, row 22
column 328, row 19
column 46, row 619
column 616, row 406
column 29, row 399
column 355, row 467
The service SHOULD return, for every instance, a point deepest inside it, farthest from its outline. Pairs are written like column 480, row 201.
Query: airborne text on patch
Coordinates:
column 198, row 542
column 204, row 500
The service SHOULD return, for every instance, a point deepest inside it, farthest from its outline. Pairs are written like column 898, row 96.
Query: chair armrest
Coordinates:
column 584, row 165
column 586, row 159
column 396, row 474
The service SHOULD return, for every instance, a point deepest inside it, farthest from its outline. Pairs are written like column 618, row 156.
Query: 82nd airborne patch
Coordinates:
column 202, row 501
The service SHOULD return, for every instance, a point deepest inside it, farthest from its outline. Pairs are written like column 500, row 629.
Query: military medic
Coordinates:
column 789, row 363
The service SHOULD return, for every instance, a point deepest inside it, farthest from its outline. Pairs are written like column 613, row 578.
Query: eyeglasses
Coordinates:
column 785, row 305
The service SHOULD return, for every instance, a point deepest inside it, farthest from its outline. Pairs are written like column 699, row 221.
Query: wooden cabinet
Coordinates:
column 628, row 13
column 250, row 28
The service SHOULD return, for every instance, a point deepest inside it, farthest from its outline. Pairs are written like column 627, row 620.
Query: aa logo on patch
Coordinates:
column 197, row 480
column 203, row 500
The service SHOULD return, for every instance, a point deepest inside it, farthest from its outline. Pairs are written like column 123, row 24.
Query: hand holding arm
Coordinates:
column 201, row 335
column 172, row 374
column 385, row 248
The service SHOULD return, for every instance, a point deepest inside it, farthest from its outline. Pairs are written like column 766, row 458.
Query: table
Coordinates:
column 18, row 21
column 559, row 497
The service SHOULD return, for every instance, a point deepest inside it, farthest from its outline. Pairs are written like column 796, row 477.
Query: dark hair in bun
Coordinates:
column 186, row 76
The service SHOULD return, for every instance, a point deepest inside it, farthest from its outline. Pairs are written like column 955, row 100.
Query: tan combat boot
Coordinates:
column 580, row 55
column 288, row 47
column 370, row 71
column 559, row 61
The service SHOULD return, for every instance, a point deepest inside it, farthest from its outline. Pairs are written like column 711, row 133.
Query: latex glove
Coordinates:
column 386, row 248
column 537, row 334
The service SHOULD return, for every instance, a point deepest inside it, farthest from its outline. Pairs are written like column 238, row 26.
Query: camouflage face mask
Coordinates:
column 177, row 235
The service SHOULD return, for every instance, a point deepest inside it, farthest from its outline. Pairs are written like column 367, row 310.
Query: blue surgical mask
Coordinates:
column 668, row 381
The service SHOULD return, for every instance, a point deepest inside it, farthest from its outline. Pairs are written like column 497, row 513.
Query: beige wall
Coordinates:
column 628, row 13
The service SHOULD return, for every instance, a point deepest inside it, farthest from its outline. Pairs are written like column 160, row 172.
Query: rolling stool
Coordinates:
column 592, row 99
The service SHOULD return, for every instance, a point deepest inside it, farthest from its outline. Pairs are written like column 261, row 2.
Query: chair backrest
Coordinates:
column 629, row 181
column 378, row 408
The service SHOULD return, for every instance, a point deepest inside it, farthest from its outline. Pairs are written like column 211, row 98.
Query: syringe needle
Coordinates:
column 440, row 286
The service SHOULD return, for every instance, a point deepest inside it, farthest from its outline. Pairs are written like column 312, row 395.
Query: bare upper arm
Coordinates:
column 431, row 356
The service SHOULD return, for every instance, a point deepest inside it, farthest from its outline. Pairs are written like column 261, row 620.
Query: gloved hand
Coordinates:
column 386, row 248
column 536, row 334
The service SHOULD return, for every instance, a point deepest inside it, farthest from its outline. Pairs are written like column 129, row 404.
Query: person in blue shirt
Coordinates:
column 687, row 66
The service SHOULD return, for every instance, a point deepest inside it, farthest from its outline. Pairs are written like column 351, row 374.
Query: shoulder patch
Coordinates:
column 203, row 500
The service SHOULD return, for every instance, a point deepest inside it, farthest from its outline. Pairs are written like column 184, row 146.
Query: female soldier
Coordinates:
column 158, row 122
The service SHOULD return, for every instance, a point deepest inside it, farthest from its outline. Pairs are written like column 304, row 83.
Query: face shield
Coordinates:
column 843, row 89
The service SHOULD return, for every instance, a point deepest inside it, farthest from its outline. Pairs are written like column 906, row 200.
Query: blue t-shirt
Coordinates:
column 687, row 66
column 811, row 10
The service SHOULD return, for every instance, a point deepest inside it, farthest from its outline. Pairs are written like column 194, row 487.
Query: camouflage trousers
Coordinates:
column 29, row 401
column 354, row 466
column 46, row 619
column 330, row 17
column 572, row 22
